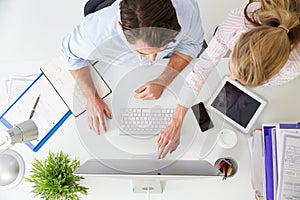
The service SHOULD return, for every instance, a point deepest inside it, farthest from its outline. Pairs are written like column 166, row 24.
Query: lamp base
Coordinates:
column 12, row 169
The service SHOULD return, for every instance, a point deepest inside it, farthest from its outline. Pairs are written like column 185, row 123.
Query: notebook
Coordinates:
column 67, row 88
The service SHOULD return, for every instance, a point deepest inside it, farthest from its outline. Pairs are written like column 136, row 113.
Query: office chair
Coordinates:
column 204, row 46
column 95, row 5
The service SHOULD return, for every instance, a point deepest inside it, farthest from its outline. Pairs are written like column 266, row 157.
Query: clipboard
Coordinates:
column 50, row 112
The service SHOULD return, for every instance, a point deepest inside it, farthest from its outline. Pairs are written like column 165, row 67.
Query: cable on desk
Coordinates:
column 148, row 193
column 210, row 150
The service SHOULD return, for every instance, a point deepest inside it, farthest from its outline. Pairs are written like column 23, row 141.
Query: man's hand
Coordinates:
column 150, row 90
column 97, row 110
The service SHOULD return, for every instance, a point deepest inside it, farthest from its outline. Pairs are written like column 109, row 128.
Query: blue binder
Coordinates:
column 269, row 164
column 50, row 114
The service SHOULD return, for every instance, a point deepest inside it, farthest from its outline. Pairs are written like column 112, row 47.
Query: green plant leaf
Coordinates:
column 53, row 178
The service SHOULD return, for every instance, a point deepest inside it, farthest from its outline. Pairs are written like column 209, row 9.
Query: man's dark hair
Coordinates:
column 153, row 21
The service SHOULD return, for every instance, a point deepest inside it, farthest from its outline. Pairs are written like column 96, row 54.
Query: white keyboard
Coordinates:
column 145, row 121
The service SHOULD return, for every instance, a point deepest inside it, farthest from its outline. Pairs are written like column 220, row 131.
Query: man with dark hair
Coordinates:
column 135, row 32
column 164, row 19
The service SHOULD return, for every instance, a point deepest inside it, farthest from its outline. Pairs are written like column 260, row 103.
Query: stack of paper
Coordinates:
column 288, row 158
column 16, row 84
column 279, row 159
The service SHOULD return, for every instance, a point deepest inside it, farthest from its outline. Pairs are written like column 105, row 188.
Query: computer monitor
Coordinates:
column 148, row 172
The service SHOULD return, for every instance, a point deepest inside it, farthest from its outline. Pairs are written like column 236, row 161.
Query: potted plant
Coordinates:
column 53, row 178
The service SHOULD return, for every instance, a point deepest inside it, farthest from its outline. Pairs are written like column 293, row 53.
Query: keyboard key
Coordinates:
column 145, row 121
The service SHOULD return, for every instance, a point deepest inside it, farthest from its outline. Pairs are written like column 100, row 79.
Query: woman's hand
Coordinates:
column 169, row 138
column 97, row 111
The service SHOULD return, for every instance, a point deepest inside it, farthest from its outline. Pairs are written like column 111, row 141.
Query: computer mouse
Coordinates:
column 11, row 169
column 227, row 138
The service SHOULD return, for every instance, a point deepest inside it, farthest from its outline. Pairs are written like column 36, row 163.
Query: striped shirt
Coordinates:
column 224, row 40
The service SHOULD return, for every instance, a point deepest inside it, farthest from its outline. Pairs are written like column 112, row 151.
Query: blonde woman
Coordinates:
column 264, row 37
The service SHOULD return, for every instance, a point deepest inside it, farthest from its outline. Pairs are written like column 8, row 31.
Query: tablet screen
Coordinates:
column 235, row 104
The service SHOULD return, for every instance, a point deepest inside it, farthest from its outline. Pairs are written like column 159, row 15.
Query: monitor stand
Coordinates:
column 148, row 186
column 148, row 175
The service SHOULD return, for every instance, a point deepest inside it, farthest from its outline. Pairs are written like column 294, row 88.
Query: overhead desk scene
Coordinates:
column 171, row 106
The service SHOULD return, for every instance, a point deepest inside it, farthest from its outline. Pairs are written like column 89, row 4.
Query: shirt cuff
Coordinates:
column 73, row 64
column 187, row 97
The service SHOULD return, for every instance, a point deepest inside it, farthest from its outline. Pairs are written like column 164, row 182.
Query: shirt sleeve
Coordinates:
column 191, row 35
column 216, row 50
column 202, row 68
column 76, row 47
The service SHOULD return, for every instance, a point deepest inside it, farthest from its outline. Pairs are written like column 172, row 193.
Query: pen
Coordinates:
column 256, row 197
column 34, row 107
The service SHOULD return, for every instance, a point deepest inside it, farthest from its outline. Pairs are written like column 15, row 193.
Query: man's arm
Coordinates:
column 96, row 107
column 154, row 88
column 177, row 63
column 84, row 81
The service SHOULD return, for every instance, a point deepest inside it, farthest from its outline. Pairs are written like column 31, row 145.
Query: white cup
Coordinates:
column 227, row 138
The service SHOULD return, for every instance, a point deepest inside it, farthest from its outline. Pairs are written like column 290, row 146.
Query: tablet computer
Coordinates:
column 236, row 104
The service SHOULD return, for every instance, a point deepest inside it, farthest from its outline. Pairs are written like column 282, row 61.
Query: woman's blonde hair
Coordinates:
column 263, row 50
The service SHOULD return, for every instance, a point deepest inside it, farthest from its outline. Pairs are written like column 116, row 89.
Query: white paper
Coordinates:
column 66, row 86
column 16, row 85
column 257, row 167
column 289, row 174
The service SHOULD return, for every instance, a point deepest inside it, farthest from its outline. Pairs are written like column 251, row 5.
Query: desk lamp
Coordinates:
column 12, row 165
column 23, row 132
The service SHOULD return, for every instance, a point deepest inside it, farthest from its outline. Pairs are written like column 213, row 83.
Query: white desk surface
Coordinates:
column 281, row 107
